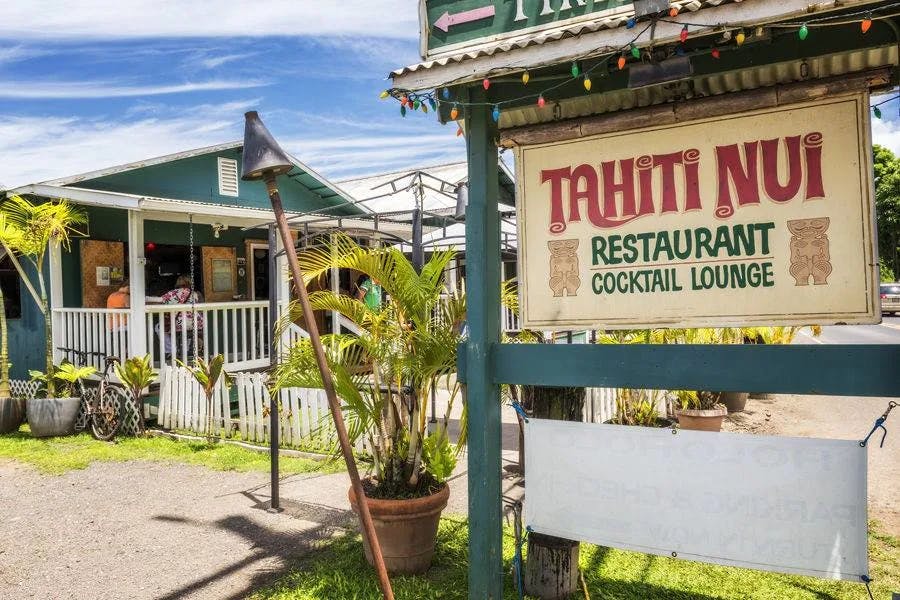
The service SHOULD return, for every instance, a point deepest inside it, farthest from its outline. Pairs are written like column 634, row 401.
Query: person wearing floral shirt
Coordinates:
column 184, row 320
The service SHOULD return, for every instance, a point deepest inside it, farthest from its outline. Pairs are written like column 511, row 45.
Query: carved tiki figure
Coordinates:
column 564, row 267
column 809, row 250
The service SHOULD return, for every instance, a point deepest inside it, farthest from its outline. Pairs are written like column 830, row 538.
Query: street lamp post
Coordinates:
column 263, row 159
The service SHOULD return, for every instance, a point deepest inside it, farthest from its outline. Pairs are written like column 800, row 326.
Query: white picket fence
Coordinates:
column 183, row 405
column 304, row 417
column 599, row 405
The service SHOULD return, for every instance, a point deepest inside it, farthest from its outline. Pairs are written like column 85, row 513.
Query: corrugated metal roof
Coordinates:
column 703, row 86
column 403, row 199
column 600, row 37
column 329, row 192
column 608, row 21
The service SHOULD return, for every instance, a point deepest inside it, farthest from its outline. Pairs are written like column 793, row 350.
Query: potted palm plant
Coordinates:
column 55, row 415
column 640, row 407
column 137, row 373
column 700, row 410
column 40, row 226
column 384, row 375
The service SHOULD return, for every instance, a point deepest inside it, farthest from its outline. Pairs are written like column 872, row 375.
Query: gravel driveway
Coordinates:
column 147, row 530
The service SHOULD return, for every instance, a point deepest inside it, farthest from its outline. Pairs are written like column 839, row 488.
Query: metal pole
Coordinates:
column 273, row 360
column 368, row 527
column 433, row 404
column 418, row 251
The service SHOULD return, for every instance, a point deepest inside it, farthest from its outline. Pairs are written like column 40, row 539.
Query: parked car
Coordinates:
column 890, row 298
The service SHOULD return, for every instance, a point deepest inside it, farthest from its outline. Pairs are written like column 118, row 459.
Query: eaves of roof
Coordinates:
column 602, row 36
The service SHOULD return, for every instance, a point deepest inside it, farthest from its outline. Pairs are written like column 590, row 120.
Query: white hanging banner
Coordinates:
column 790, row 505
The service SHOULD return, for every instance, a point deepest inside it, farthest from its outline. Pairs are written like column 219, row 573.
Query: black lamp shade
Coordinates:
column 262, row 155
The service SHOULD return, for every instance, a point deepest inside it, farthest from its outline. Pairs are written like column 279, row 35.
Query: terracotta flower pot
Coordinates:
column 701, row 420
column 51, row 417
column 12, row 412
column 734, row 401
column 406, row 529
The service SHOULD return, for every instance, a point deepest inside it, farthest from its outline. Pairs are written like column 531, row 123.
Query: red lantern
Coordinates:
column 715, row 53
column 150, row 247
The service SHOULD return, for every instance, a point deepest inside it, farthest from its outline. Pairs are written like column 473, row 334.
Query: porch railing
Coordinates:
column 237, row 330
column 90, row 330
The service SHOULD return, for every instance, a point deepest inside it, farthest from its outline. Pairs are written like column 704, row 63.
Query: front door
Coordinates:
column 219, row 274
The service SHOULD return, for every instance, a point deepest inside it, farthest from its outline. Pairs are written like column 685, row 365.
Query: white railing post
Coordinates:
column 56, row 299
column 137, row 326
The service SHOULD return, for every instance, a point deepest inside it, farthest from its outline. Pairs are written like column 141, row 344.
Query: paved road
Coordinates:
column 888, row 332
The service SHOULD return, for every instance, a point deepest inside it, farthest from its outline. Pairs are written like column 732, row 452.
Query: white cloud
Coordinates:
column 887, row 134
column 9, row 54
column 60, row 19
column 41, row 148
column 112, row 89
column 212, row 62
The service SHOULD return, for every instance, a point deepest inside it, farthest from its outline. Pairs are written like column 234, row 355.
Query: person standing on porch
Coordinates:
column 369, row 292
column 184, row 320
column 120, row 299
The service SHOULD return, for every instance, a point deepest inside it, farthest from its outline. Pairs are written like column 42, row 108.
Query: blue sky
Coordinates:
column 88, row 88
column 84, row 86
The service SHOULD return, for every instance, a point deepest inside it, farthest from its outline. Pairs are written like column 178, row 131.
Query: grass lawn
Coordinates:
column 340, row 571
column 58, row 455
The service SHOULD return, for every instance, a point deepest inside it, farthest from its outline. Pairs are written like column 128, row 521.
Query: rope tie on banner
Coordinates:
column 879, row 424
column 520, row 537
column 520, row 410
column 868, row 581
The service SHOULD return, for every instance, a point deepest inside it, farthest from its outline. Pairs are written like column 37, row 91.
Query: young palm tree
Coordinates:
column 386, row 374
column 39, row 226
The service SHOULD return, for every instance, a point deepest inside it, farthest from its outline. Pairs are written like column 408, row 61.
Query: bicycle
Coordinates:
column 101, row 412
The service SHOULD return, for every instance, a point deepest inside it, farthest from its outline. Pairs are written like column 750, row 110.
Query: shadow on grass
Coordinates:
column 286, row 547
column 636, row 590
column 817, row 594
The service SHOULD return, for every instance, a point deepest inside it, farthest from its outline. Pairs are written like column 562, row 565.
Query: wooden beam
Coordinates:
column 483, row 396
column 690, row 110
column 821, row 369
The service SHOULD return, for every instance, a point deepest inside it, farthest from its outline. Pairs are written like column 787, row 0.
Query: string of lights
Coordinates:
column 632, row 51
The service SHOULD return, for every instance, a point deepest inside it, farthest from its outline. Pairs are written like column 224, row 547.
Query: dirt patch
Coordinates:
column 837, row 417
column 144, row 530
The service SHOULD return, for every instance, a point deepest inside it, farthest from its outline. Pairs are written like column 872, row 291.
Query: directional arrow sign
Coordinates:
column 446, row 20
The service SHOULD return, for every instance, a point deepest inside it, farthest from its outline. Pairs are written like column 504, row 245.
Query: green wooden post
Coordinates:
column 483, row 396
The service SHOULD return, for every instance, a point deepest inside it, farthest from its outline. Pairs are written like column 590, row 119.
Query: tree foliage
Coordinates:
column 385, row 375
column 887, row 209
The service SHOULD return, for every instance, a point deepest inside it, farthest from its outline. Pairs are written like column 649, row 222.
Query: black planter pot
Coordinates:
column 51, row 417
column 12, row 412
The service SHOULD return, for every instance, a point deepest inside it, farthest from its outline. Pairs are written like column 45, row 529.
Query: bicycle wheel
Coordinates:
column 105, row 417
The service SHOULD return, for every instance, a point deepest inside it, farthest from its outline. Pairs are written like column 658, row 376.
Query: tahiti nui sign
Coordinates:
column 450, row 26
column 764, row 217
